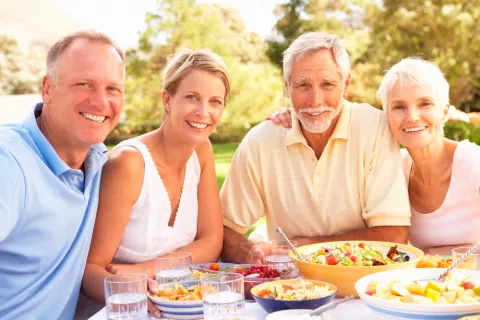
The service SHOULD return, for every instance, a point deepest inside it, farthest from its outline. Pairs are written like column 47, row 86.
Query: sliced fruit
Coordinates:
column 433, row 294
column 416, row 289
column 477, row 290
column 467, row 285
column 434, row 285
column 450, row 296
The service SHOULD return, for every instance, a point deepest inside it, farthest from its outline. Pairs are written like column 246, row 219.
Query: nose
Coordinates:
column 316, row 98
column 100, row 99
column 413, row 114
column 202, row 109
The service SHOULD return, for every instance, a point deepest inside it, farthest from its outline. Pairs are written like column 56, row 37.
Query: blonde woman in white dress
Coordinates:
column 159, row 192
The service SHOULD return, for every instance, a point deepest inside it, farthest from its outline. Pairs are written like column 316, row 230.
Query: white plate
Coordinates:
column 401, row 310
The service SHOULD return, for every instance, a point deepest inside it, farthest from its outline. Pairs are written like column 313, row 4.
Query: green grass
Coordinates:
column 223, row 156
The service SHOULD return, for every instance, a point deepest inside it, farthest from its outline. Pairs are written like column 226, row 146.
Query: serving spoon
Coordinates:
column 299, row 256
column 458, row 261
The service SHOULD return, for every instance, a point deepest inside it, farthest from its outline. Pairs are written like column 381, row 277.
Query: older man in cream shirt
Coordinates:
column 334, row 175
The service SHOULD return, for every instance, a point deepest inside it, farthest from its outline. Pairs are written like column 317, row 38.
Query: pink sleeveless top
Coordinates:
column 457, row 221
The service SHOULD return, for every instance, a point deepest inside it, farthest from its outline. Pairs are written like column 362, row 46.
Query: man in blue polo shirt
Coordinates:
column 50, row 169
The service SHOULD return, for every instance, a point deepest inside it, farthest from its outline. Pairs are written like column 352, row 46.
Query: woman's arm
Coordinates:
column 122, row 181
column 208, row 242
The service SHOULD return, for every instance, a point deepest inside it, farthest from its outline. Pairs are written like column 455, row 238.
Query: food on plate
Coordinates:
column 179, row 293
column 213, row 266
column 301, row 290
column 199, row 274
column 435, row 261
column 356, row 254
column 454, row 290
column 262, row 274
column 262, row 271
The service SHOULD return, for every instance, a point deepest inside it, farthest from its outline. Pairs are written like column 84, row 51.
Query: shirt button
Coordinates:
column 75, row 178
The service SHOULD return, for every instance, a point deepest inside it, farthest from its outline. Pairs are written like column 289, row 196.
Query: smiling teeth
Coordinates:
column 315, row 114
column 414, row 129
column 197, row 125
column 97, row 119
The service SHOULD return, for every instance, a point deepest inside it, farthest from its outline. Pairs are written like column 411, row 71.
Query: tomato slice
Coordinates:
column 214, row 267
column 332, row 260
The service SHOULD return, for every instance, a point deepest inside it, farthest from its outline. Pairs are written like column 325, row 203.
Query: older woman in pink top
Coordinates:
column 443, row 175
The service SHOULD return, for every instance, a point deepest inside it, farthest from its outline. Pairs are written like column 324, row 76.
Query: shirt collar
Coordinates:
column 341, row 131
column 54, row 162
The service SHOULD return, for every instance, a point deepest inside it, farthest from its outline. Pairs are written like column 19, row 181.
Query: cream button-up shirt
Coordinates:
column 357, row 182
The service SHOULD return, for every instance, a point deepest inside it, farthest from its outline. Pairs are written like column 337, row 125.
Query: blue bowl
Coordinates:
column 272, row 305
column 187, row 310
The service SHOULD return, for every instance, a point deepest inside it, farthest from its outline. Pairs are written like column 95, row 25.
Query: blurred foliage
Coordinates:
column 446, row 32
column 378, row 34
column 176, row 24
column 459, row 130
column 20, row 73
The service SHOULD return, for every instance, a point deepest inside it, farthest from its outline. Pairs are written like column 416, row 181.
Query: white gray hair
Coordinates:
column 414, row 71
column 312, row 42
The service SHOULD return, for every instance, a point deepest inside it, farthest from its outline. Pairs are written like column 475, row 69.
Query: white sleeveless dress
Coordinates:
column 147, row 234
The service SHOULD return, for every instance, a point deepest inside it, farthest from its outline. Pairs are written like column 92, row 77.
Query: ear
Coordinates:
column 445, row 111
column 166, row 100
column 285, row 83
column 347, row 86
column 47, row 89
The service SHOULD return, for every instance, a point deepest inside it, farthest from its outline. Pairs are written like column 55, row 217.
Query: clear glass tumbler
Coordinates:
column 471, row 263
column 223, row 296
column 126, row 296
column 173, row 267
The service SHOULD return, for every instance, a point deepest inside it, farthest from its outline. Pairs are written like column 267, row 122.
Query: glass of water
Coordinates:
column 126, row 296
column 174, row 267
column 279, row 257
column 471, row 263
column 223, row 296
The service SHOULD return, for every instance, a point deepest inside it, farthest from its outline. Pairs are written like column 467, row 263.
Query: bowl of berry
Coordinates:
column 255, row 274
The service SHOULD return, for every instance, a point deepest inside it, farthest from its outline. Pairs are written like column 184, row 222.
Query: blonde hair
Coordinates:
column 414, row 71
column 312, row 42
column 187, row 60
column 59, row 47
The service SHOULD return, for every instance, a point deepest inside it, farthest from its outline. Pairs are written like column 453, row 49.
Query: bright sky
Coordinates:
column 47, row 20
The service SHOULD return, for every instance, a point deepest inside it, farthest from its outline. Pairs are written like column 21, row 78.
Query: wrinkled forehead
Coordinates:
column 316, row 65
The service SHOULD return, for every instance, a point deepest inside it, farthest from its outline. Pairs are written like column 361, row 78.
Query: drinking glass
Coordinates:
column 471, row 263
column 223, row 296
column 279, row 258
column 126, row 296
column 173, row 267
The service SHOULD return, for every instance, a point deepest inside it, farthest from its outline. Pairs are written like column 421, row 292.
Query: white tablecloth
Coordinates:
column 353, row 309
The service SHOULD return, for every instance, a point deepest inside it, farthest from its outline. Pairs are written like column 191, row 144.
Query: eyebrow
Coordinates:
column 300, row 80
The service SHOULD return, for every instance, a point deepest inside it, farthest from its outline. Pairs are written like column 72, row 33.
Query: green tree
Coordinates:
column 289, row 26
column 19, row 73
column 178, row 24
column 442, row 31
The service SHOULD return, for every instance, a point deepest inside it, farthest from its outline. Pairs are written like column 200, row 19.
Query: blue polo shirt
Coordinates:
column 47, row 213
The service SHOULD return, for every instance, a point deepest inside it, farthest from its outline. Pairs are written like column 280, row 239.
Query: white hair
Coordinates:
column 312, row 42
column 414, row 71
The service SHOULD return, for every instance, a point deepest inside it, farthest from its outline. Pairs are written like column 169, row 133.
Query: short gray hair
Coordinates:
column 59, row 47
column 414, row 71
column 312, row 42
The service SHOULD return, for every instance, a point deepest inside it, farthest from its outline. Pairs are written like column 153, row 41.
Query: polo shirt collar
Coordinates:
column 342, row 128
column 54, row 162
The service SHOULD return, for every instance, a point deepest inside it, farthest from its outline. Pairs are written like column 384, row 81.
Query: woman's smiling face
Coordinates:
column 415, row 115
